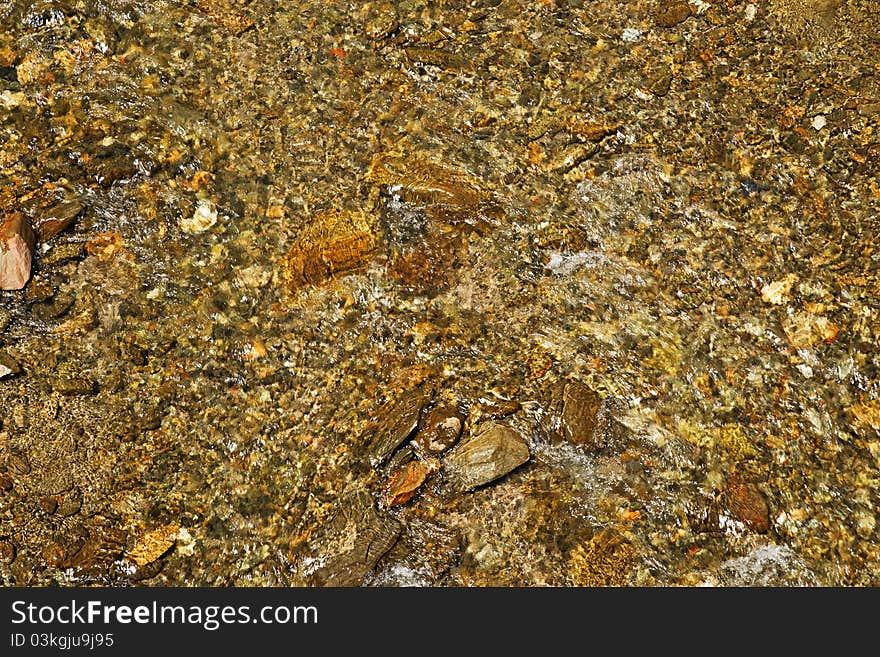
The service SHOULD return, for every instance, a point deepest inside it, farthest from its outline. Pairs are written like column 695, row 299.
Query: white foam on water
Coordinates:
column 767, row 565
column 401, row 575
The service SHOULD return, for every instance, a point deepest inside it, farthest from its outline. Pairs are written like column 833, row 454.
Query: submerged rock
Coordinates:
column 395, row 421
column 744, row 503
column 154, row 544
column 8, row 366
column 441, row 431
column 335, row 241
column 575, row 414
column 354, row 541
column 449, row 194
column 101, row 550
column 71, row 386
column 492, row 452
column 605, row 560
column 204, row 216
column 405, row 481
column 57, row 219
column 670, row 15
column 7, row 551
column 17, row 240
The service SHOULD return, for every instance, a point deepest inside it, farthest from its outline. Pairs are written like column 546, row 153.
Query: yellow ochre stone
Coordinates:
column 335, row 241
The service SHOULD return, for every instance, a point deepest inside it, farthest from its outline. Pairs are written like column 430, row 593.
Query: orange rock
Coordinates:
column 403, row 483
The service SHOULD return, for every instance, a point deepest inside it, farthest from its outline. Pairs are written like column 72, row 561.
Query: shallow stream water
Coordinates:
column 299, row 225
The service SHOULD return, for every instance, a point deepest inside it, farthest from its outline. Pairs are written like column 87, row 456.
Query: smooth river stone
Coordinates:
column 17, row 240
column 489, row 454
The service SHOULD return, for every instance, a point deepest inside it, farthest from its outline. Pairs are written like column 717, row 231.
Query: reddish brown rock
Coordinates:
column 17, row 242
column 442, row 429
column 57, row 219
column 672, row 14
column 403, row 483
column 745, row 503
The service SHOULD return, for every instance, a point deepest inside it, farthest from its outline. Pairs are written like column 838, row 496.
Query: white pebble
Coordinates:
column 818, row 122
column 202, row 219
column 631, row 35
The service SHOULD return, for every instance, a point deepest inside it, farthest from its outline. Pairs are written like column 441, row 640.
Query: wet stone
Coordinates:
column 100, row 551
column 494, row 410
column 48, row 504
column 427, row 269
column 17, row 240
column 442, row 429
column 335, row 241
column 400, row 458
column 405, row 481
column 396, row 421
column 590, row 130
column 492, row 452
column 39, row 291
column 8, row 366
column 154, row 544
column 7, row 551
column 436, row 57
column 448, row 192
column 660, row 82
column 575, row 414
column 225, row 14
column 744, row 503
column 571, row 156
column 18, row 464
column 53, row 555
column 382, row 21
column 147, row 571
column 73, row 386
column 670, row 15
column 354, row 540
column 61, row 253
column 69, row 504
column 866, row 417
column 605, row 560
column 57, row 219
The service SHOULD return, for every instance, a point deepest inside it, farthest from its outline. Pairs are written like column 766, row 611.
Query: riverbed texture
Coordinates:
column 464, row 293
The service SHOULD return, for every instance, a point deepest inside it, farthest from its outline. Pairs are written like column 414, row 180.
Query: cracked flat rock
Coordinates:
column 492, row 452
column 396, row 421
column 355, row 539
